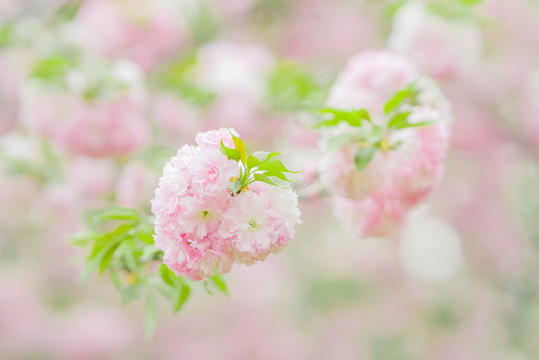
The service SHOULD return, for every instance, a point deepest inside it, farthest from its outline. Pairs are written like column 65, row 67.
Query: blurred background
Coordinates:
column 96, row 95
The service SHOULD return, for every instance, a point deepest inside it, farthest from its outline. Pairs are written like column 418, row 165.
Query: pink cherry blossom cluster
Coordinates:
column 202, row 227
column 409, row 163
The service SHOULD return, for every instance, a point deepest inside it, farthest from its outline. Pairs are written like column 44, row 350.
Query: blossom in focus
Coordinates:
column 405, row 161
column 203, row 226
column 261, row 221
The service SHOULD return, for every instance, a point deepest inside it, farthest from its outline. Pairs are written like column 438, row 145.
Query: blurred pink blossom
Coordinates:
column 441, row 47
column 144, row 31
column 110, row 125
column 369, row 79
column 225, row 67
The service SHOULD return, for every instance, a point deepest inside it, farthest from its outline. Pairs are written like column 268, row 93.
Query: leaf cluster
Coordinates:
column 121, row 242
column 369, row 136
column 258, row 166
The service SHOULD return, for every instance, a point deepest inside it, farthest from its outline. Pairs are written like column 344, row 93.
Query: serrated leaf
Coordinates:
column 219, row 282
column 274, row 165
column 240, row 146
column 264, row 179
column 398, row 98
column 398, row 120
column 231, row 154
column 130, row 293
column 364, row 156
column 150, row 316
column 252, row 161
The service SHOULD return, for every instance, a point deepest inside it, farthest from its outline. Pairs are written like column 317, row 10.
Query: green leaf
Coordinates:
column 277, row 174
column 115, row 280
column 337, row 142
column 291, row 86
column 274, row 165
column 182, row 294
column 364, row 156
column 240, row 146
column 418, row 124
column 375, row 134
column 399, row 97
column 112, row 237
column 231, row 154
column 264, row 155
column 166, row 274
column 203, row 25
column 150, row 316
column 7, row 29
column 258, row 157
column 145, row 233
column 352, row 117
column 235, row 187
column 89, row 267
column 51, row 68
column 129, row 255
column 84, row 237
column 252, row 161
column 115, row 213
column 130, row 293
column 150, row 252
column 219, row 282
column 68, row 11
column 398, row 120
column 390, row 10
column 107, row 257
column 264, row 179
